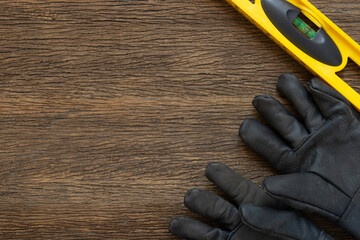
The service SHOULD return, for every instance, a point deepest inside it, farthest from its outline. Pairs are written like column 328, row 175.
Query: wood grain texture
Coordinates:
column 110, row 110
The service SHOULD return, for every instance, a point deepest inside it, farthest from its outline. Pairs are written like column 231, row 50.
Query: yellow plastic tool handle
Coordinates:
column 347, row 46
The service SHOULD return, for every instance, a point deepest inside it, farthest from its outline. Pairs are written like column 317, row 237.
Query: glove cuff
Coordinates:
column 350, row 220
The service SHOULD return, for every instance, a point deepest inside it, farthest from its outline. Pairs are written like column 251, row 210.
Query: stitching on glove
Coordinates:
column 324, row 236
column 232, row 233
column 355, row 201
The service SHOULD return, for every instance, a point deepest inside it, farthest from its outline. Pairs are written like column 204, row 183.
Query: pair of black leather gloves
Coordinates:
column 319, row 156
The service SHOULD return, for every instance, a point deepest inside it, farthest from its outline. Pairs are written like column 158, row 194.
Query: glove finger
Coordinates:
column 309, row 192
column 269, row 145
column 213, row 207
column 329, row 101
column 281, row 120
column 280, row 224
column 191, row 229
column 236, row 186
column 291, row 88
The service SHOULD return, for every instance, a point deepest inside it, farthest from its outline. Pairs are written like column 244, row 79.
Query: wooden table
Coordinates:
column 110, row 110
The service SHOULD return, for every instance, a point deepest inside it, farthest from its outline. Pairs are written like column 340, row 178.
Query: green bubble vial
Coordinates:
column 304, row 28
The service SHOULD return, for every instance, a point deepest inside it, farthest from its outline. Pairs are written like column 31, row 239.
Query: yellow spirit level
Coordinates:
column 323, row 49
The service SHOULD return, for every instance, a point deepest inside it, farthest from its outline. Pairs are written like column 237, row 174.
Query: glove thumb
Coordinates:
column 308, row 192
column 281, row 224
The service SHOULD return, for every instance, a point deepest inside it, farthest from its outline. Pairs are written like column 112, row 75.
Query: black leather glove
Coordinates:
column 320, row 152
column 262, row 217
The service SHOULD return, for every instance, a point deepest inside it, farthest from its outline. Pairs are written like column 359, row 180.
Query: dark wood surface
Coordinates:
column 110, row 110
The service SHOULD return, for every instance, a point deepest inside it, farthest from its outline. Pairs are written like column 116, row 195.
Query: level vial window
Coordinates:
column 305, row 26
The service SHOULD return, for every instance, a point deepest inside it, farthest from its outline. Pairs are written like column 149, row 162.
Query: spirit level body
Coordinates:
column 346, row 46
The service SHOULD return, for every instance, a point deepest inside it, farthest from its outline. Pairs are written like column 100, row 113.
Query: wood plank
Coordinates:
column 110, row 110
